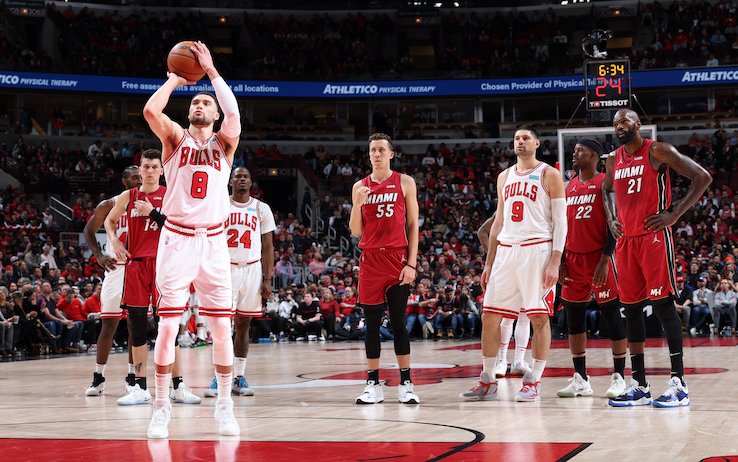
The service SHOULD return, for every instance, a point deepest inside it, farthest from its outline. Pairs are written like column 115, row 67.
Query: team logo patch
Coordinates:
column 166, row 241
column 548, row 299
column 250, row 209
column 535, row 177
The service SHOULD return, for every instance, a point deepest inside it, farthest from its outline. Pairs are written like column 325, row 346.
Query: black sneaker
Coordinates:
column 199, row 343
column 98, row 385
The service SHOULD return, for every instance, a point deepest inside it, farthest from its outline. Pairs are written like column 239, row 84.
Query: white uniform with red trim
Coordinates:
column 246, row 223
column 516, row 281
column 192, row 246
column 112, row 288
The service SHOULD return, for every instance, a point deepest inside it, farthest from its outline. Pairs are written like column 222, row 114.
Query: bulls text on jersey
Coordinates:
column 242, row 218
column 199, row 157
column 521, row 188
column 627, row 172
column 381, row 198
column 583, row 199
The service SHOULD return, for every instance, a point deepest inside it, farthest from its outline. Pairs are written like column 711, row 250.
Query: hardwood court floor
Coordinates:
column 304, row 410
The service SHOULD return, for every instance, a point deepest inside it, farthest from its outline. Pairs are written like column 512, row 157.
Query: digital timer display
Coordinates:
column 607, row 84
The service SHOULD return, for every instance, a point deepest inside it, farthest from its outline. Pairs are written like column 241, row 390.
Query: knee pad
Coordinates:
column 165, row 340
column 220, row 328
column 635, row 323
column 613, row 320
column 139, row 325
column 576, row 316
column 371, row 337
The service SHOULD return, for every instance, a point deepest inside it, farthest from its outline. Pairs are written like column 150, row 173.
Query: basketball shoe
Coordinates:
column 159, row 420
column 199, row 343
column 130, row 381
column 184, row 395
column 98, row 385
column 212, row 392
column 372, row 394
column 635, row 395
column 519, row 368
column 485, row 389
column 135, row 395
column 577, row 387
column 675, row 395
column 617, row 386
column 224, row 416
column 501, row 368
column 240, row 387
column 407, row 395
column 531, row 390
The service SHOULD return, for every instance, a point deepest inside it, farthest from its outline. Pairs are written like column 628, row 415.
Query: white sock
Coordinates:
column 202, row 332
column 239, row 366
column 162, row 386
column 506, row 328
column 522, row 334
column 131, row 368
column 538, row 367
column 100, row 368
column 224, row 386
column 489, row 366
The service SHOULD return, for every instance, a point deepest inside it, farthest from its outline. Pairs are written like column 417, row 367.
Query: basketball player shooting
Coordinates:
column 192, row 246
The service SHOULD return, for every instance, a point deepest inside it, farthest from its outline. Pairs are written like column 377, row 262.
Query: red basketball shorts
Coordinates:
column 581, row 269
column 139, row 286
column 645, row 266
column 378, row 271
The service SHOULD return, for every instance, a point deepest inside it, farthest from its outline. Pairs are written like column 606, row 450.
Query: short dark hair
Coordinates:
column 382, row 136
column 152, row 154
column 129, row 170
column 217, row 106
column 528, row 127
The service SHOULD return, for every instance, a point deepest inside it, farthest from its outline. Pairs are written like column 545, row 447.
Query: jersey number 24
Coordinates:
column 245, row 239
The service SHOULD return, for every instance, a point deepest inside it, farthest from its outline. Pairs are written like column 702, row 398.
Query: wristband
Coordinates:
column 267, row 279
column 157, row 217
column 409, row 266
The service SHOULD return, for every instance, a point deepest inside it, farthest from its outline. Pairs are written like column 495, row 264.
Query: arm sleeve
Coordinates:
column 558, row 209
column 158, row 217
column 231, row 126
column 609, row 244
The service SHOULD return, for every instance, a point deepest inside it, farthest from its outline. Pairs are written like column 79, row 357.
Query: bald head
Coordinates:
column 627, row 113
column 627, row 126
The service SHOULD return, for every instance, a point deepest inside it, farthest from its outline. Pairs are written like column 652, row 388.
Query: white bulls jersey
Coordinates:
column 244, row 227
column 121, row 230
column 527, row 211
column 193, row 172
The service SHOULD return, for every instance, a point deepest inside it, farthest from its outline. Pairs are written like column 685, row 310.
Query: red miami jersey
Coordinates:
column 143, row 231
column 195, row 171
column 640, row 190
column 383, row 215
column 585, row 215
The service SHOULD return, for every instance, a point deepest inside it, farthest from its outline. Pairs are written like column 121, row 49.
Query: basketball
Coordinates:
column 183, row 62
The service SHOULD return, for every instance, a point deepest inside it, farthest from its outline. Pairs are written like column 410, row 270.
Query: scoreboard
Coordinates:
column 607, row 84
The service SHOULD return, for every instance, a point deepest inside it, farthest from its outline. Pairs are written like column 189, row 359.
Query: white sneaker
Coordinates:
column 159, row 421
column 577, row 387
column 519, row 368
column 675, row 395
column 531, row 390
column 485, row 389
column 135, row 395
column 184, row 395
column 312, row 338
column 372, row 394
column 407, row 395
column 98, row 385
column 693, row 331
column 224, row 416
column 185, row 340
column 617, row 386
column 501, row 368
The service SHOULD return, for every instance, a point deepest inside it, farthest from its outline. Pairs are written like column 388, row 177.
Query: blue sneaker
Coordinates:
column 212, row 392
column 241, row 387
column 634, row 395
column 675, row 395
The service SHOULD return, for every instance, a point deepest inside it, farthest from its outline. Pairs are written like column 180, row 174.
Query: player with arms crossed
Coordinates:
column 250, row 229
column 193, row 247
column 385, row 215
column 639, row 218
column 588, row 268
column 112, row 287
column 526, row 242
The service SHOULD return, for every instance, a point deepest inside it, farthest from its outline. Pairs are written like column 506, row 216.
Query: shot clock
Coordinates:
column 607, row 84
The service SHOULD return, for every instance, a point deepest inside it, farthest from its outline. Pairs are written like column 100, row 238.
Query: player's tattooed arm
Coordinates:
column 608, row 199
column 665, row 155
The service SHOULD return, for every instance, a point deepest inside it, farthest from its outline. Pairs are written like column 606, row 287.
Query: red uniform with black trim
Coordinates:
column 585, row 241
column 644, row 259
column 139, row 286
column 383, row 239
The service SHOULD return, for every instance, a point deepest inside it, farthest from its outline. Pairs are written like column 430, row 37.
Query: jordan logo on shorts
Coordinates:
column 655, row 240
column 166, row 241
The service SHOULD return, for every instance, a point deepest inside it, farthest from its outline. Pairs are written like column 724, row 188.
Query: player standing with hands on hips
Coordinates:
column 385, row 215
column 192, row 246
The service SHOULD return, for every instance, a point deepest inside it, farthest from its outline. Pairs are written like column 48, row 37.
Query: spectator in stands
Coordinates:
column 725, row 305
column 309, row 319
column 330, row 311
column 72, row 309
column 284, row 271
column 683, row 301
column 700, row 309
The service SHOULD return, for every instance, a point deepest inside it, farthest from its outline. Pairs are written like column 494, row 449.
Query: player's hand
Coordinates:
column 361, row 194
column 601, row 271
column 485, row 277
column 106, row 263
column 407, row 275
column 550, row 274
column 616, row 228
column 660, row 221
column 121, row 253
column 144, row 207
column 266, row 289
column 564, row 276
column 203, row 56
column 180, row 80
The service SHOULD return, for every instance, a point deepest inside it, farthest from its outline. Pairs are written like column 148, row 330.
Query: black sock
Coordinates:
column 405, row 376
column 619, row 363
column 176, row 381
column 141, row 381
column 131, row 379
column 373, row 375
column 638, row 368
column 676, row 357
column 580, row 364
